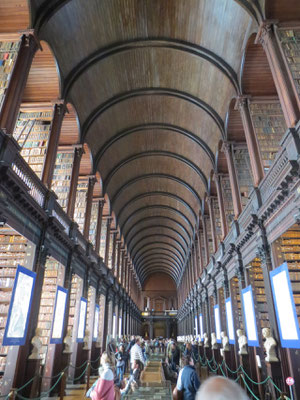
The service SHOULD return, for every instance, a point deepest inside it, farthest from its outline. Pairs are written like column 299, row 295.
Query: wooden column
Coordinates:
column 200, row 252
column 107, row 241
column 113, row 257
column 99, row 225
column 58, row 116
column 236, row 196
column 252, row 142
column 195, row 259
column 14, row 94
column 88, row 208
column 285, row 89
column 74, row 181
column 118, row 264
column 205, row 238
column 220, row 195
column 212, row 222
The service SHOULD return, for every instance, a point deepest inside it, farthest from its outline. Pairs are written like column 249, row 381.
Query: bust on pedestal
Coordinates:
column 270, row 345
column 68, row 342
column 86, row 340
column 37, row 345
column 242, row 338
column 214, row 344
column 225, row 341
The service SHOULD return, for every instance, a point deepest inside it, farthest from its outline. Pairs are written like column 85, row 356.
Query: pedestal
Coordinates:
column 82, row 356
column 274, row 371
column 33, row 368
column 229, row 358
column 95, row 357
column 208, row 356
column 64, row 362
column 217, row 357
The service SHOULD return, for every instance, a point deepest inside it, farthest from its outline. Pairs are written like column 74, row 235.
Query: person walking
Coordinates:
column 188, row 382
column 136, row 353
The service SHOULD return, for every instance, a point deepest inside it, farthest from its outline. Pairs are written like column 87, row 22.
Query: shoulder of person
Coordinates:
column 107, row 374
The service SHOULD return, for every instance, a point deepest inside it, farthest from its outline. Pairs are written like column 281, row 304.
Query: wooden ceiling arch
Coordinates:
column 158, row 250
column 157, row 91
column 151, row 219
column 158, row 268
column 158, row 207
column 151, row 82
column 160, row 243
column 159, row 228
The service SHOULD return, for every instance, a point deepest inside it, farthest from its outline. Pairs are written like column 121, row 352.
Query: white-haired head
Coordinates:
column 219, row 388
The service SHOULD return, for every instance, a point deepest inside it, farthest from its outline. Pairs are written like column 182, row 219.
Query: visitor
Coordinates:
column 219, row 388
column 134, row 380
column 121, row 361
column 188, row 382
column 174, row 356
column 103, row 388
column 136, row 353
column 188, row 350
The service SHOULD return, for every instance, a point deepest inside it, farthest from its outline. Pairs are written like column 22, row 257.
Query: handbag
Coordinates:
column 177, row 394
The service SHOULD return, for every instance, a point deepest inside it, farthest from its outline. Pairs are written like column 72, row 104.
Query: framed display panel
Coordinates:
column 82, row 319
column 196, row 326
column 229, row 319
column 120, row 326
column 217, row 322
column 250, row 320
column 59, row 315
column 285, row 307
column 96, row 323
column 19, row 309
column 114, row 325
column 201, row 327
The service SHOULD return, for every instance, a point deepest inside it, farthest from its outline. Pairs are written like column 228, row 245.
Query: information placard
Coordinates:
column 201, row 327
column 196, row 326
column 229, row 319
column 19, row 308
column 82, row 319
column 248, row 307
column 59, row 315
column 96, row 323
column 285, row 307
column 217, row 322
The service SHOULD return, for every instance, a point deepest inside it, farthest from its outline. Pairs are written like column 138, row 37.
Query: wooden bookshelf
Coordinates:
column 227, row 196
column 290, row 44
column 13, row 251
column 80, row 202
column 54, row 275
column 236, row 303
column 93, row 223
column 8, row 55
column 90, row 313
column 103, row 237
column 269, row 124
column 244, row 175
column 287, row 249
column 110, row 250
column 256, row 280
column 209, row 237
column 101, row 316
column 217, row 220
column 62, row 176
column 75, row 289
column 32, row 134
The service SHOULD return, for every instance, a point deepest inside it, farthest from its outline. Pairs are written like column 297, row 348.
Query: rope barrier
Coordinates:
column 97, row 359
column 82, row 365
column 247, row 386
column 44, row 394
column 79, row 377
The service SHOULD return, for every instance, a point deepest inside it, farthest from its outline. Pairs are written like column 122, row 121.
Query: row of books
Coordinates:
column 8, row 56
column 290, row 43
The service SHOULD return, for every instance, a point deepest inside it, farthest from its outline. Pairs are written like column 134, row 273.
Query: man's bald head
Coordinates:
column 219, row 388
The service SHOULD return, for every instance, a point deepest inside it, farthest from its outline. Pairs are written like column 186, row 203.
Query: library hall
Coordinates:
column 150, row 199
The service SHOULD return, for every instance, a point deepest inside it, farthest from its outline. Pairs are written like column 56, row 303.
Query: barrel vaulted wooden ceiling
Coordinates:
column 151, row 82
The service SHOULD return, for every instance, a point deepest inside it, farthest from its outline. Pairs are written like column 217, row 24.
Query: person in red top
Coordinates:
column 104, row 388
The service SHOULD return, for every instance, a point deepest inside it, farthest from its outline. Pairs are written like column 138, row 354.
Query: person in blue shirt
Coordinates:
column 188, row 382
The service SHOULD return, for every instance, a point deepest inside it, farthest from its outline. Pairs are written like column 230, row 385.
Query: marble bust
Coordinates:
column 270, row 345
column 214, row 344
column 86, row 340
column 206, row 340
column 242, row 338
column 225, row 341
column 37, row 345
column 68, row 342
